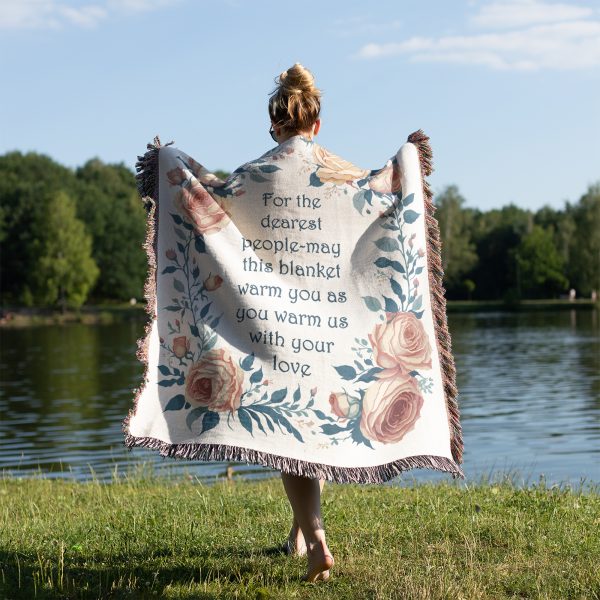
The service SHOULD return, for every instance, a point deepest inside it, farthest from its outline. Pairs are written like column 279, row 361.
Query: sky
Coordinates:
column 507, row 90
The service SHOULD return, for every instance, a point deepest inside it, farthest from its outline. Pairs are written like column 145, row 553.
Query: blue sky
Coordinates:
column 507, row 90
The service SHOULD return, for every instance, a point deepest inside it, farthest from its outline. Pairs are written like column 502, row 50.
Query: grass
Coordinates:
column 147, row 536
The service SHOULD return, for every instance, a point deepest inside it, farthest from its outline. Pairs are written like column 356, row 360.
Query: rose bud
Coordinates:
column 181, row 346
column 212, row 283
column 176, row 176
column 171, row 254
column 343, row 405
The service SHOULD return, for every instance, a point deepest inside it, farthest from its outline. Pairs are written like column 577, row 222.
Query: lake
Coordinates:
column 529, row 395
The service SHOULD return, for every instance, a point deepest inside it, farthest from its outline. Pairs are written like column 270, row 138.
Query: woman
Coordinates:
column 294, row 108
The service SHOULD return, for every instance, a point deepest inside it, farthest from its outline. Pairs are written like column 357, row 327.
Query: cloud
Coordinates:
column 56, row 14
column 552, row 36
column 519, row 13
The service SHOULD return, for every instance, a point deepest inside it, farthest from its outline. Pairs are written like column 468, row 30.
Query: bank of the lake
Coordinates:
column 20, row 316
column 143, row 537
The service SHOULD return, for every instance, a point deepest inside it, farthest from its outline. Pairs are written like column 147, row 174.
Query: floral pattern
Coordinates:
column 388, row 381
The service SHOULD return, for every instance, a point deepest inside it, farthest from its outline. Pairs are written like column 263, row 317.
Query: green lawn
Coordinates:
column 152, row 537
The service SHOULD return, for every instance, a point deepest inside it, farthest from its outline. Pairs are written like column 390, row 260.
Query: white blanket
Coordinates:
column 297, row 317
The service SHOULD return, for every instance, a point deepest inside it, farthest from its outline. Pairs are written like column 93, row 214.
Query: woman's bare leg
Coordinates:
column 304, row 494
column 295, row 536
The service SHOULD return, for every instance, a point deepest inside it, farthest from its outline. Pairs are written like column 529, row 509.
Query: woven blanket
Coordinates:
column 296, row 315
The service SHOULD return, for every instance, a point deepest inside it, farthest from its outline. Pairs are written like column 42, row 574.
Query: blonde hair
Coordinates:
column 295, row 103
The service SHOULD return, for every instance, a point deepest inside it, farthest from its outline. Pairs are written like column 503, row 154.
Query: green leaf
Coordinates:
column 410, row 216
column 178, row 285
column 204, row 310
column 390, row 305
column 194, row 415
column 279, row 395
column 210, row 343
column 370, row 375
column 256, row 376
column 397, row 288
column 321, row 415
column 383, row 262
column 167, row 382
column 346, row 372
column 258, row 178
column 358, row 436
column 256, row 419
column 359, row 201
column 372, row 303
column 199, row 244
column 332, row 428
column 246, row 364
column 406, row 201
column 245, row 420
column 175, row 403
column 269, row 168
column 314, row 180
column 387, row 244
column 210, row 420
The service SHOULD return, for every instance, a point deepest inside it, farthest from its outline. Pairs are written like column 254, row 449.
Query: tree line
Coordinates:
column 74, row 236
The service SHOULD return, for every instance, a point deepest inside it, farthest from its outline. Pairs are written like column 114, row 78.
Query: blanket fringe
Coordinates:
column 438, row 299
column 148, row 188
column 337, row 474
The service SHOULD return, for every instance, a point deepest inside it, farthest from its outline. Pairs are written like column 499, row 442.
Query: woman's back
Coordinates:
column 298, row 317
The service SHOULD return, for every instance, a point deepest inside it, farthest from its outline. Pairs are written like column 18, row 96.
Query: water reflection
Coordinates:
column 529, row 388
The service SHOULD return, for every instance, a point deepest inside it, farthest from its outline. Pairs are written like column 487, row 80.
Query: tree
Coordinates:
column 540, row 265
column 65, row 270
column 458, row 251
column 496, row 233
column 25, row 181
column 111, row 208
column 584, row 251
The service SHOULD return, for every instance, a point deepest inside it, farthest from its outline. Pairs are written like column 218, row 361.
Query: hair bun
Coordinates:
column 295, row 103
column 298, row 80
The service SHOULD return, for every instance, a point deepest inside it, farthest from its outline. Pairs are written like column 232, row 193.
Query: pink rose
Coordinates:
column 401, row 343
column 391, row 407
column 343, row 405
column 181, row 346
column 334, row 169
column 215, row 381
column 387, row 181
column 203, row 175
column 212, row 283
column 171, row 254
column 201, row 209
column 176, row 176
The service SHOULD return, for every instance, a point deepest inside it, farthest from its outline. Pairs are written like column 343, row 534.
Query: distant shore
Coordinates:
column 18, row 316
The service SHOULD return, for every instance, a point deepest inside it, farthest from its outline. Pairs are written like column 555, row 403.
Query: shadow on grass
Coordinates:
column 133, row 575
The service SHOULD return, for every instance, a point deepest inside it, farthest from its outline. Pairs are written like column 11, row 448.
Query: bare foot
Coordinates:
column 320, row 560
column 295, row 543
